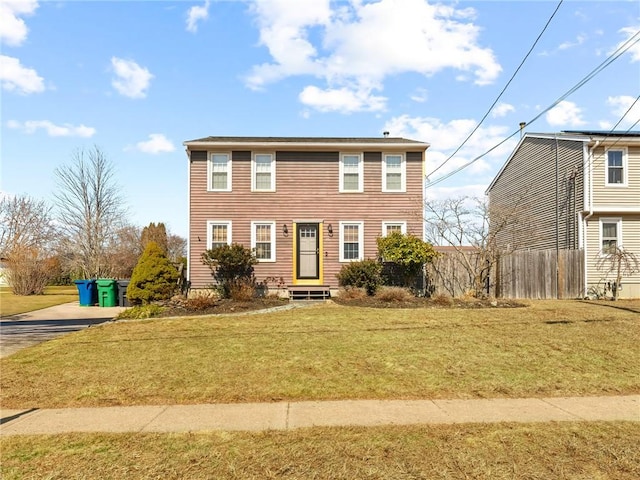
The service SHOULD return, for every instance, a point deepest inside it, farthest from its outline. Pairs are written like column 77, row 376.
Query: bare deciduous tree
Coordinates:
column 472, row 229
column 27, row 234
column 617, row 262
column 90, row 210
column 176, row 247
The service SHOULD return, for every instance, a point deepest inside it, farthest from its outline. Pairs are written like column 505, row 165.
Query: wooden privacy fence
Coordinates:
column 523, row 274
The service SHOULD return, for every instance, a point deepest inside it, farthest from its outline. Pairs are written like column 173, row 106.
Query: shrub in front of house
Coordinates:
column 154, row 277
column 232, row 269
column 365, row 274
column 405, row 256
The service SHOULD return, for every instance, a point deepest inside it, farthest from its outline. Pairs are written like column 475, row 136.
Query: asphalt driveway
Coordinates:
column 26, row 329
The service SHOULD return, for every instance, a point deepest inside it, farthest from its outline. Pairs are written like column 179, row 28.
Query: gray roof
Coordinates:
column 604, row 133
column 314, row 140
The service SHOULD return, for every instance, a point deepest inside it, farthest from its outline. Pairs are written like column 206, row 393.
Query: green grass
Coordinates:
column 551, row 348
column 11, row 304
column 504, row 451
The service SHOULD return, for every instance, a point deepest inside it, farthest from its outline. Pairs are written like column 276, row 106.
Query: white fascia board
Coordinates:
column 421, row 147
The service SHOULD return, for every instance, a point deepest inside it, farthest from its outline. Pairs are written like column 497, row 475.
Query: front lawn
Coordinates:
column 11, row 304
column 327, row 351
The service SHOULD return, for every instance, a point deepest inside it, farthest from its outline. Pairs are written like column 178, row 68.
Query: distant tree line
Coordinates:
column 84, row 233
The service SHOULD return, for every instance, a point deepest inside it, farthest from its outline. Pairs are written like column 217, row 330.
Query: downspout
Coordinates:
column 589, row 171
column 188, row 217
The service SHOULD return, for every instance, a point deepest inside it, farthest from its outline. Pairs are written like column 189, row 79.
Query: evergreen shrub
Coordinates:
column 154, row 277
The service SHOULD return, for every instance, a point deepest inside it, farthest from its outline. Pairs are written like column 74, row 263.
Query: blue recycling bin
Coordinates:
column 87, row 292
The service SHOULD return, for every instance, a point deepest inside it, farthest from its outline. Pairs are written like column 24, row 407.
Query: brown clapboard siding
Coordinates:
column 307, row 184
column 529, row 178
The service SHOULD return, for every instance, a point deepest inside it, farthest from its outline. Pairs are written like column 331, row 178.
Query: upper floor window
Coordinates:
column 391, row 227
column 393, row 173
column 351, row 172
column 263, row 240
column 617, row 167
column 351, row 241
column 263, row 172
column 220, row 172
column 218, row 233
column 610, row 235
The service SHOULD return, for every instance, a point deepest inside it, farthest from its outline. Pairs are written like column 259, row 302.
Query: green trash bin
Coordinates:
column 107, row 292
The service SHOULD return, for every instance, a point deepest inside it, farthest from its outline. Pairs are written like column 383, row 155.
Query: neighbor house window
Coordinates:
column 351, row 241
column 391, row 227
column 220, row 172
column 617, row 167
column 218, row 233
column 610, row 235
column 263, row 169
column 351, row 172
column 393, row 173
column 263, row 240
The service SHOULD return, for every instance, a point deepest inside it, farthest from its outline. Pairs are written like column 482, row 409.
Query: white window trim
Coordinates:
column 210, row 172
column 272, row 240
column 360, row 241
column 403, row 173
column 272, row 187
column 618, row 222
column 403, row 226
column 625, row 167
column 210, row 223
column 360, row 172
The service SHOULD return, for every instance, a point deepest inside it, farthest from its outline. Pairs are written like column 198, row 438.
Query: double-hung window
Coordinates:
column 220, row 172
column 351, row 241
column 391, row 227
column 393, row 173
column 616, row 167
column 218, row 233
column 351, row 172
column 610, row 235
column 263, row 241
column 263, row 172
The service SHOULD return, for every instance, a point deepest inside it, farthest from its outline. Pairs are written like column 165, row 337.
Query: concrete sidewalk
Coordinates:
column 292, row 415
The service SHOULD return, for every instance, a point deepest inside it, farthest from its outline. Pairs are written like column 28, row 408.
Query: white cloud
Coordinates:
column 15, row 77
column 195, row 14
column 131, row 80
column 446, row 137
column 622, row 105
column 634, row 51
column 580, row 39
column 157, row 143
column 13, row 30
column 341, row 100
column 420, row 95
column 363, row 43
column 53, row 130
column 502, row 109
column 565, row 114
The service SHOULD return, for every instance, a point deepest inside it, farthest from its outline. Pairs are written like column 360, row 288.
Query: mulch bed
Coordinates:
column 223, row 306
column 423, row 302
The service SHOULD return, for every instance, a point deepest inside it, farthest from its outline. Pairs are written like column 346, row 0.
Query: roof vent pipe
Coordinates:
column 385, row 134
column 522, row 125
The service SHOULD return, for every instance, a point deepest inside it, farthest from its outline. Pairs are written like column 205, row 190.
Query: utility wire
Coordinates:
column 501, row 93
column 630, row 42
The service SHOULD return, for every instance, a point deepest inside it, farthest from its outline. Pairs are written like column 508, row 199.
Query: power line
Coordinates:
column 501, row 93
column 630, row 42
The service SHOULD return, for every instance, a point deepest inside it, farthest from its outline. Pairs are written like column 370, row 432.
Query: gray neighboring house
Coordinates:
column 590, row 180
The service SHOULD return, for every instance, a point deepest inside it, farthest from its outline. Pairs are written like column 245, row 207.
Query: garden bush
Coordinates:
column 154, row 277
column 232, row 269
column 363, row 274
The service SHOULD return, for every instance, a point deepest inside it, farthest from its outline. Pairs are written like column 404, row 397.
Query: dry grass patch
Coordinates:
column 328, row 352
column 11, row 304
column 502, row 451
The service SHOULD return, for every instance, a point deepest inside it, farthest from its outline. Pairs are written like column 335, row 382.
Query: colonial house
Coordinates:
column 306, row 206
column 579, row 190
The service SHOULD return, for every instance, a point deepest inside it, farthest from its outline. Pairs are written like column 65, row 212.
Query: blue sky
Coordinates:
column 139, row 78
